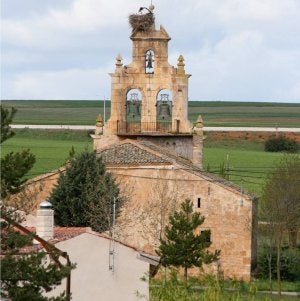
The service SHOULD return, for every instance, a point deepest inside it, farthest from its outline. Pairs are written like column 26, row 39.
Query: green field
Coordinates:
column 216, row 113
column 247, row 162
column 51, row 148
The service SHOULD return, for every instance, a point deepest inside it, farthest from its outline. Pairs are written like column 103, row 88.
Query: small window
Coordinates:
column 199, row 202
column 207, row 235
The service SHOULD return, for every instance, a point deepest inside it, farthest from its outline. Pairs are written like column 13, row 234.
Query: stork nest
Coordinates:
column 141, row 22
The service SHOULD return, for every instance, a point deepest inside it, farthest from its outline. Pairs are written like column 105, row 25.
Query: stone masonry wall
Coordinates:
column 228, row 214
column 156, row 191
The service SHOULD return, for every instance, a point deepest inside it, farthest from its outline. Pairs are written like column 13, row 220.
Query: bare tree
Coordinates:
column 280, row 208
column 148, row 219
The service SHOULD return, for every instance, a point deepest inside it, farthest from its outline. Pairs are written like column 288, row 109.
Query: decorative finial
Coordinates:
column 180, row 65
column 99, row 125
column 181, row 60
column 199, row 122
column 99, row 120
column 119, row 60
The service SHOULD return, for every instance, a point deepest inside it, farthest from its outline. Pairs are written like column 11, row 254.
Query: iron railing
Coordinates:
column 140, row 128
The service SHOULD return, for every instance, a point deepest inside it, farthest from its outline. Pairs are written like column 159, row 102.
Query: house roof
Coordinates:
column 131, row 152
column 66, row 233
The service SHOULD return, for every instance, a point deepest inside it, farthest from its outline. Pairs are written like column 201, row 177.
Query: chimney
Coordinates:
column 45, row 221
column 198, row 142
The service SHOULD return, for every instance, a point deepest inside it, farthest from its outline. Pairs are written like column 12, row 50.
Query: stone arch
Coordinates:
column 149, row 61
column 164, row 105
column 134, row 98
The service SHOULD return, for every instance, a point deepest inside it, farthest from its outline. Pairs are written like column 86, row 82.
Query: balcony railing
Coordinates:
column 143, row 128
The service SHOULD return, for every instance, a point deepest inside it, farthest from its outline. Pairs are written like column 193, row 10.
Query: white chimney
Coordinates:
column 45, row 221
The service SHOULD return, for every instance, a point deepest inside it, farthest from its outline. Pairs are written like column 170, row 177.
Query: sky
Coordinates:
column 236, row 50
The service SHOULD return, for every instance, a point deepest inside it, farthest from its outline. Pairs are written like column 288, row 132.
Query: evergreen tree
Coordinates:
column 14, row 166
column 6, row 119
column 84, row 193
column 24, row 276
column 182, row 246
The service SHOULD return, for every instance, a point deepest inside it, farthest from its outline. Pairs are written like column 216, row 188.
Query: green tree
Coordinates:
column 182, row 246
column 24, row 276
column 280, row 206
column 6, row 119
column 84, row 193
column 14, row 166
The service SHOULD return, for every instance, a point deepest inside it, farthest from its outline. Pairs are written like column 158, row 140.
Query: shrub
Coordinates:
column 280, row 144
column 289, row 261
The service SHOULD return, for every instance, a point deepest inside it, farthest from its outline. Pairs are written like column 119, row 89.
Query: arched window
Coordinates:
column 133, row 105
column 149, row 61
column 164, row 105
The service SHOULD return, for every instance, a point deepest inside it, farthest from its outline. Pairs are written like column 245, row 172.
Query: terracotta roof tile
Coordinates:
column 128, row 153
column 63, row 233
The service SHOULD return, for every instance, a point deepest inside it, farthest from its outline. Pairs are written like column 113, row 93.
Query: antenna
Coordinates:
column 242, row 194
column 104, row 110
column 112, row 240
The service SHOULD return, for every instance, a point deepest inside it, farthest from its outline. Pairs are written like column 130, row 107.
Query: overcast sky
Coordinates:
column 239, row 50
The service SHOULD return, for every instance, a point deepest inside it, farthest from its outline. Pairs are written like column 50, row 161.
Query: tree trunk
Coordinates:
column 278, row 268
column 185, row 275
column 293, row 238
column 269, row 257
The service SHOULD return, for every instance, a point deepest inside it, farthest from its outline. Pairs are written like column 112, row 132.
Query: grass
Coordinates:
column 287, row 286
column 51, row 148
column 209, row 289
column 246, row 161
column 213, row 113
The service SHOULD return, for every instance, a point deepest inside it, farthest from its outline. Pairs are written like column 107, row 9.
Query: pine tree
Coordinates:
column 182, row 246
column 24, row 276
column 6, row 119
column 14, row 165
column 84, row 193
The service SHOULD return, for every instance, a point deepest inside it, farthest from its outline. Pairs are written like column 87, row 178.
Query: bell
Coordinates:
column 164, row 110
column 133, row 109
column 149, row 60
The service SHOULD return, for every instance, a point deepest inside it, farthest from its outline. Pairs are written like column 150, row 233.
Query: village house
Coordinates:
column 103, row 265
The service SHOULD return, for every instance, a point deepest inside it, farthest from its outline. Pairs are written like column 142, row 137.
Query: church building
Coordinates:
column 155, row 153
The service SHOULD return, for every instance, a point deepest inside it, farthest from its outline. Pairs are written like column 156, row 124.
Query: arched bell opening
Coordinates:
column 164, row 111
column 149, row 61
column 164, row 105
column 133, row 105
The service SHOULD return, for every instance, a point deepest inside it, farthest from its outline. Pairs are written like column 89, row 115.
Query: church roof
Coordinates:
column 129, row 153
column 144, row 152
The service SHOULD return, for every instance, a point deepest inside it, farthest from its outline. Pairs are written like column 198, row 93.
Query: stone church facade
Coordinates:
column 155, row 153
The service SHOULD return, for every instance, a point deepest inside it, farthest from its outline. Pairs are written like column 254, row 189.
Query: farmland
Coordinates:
column 74, row 112
column 244, row 159
column 51, row 148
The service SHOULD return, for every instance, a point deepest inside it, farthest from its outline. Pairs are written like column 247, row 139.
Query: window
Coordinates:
column 199, row 202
